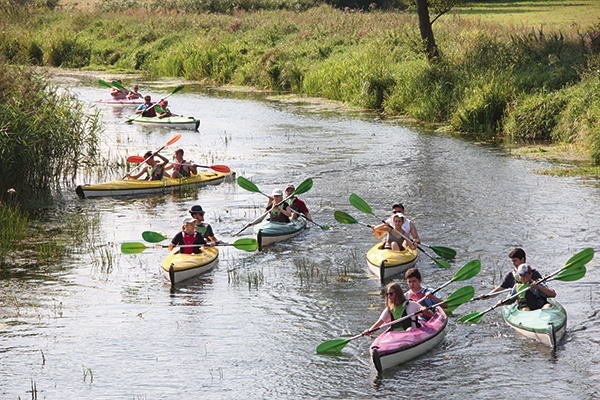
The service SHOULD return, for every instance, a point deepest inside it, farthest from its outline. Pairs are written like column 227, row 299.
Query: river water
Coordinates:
column 111, row 329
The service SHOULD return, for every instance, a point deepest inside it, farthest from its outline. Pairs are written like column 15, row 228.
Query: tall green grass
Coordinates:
column 495, row 82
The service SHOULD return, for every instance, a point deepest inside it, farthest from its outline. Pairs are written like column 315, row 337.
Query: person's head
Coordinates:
column 135, row 88
column 289, row 189
column 148, row 99
column 189, row 225
column 393, row 295
column 397, row 219
column 277, row 195
column 517, row 256
column 413, row 279
column 524, row 273
column 179, row 154
column 197, row 213
column 149, row 157
column 163, row 103
column 398, row 208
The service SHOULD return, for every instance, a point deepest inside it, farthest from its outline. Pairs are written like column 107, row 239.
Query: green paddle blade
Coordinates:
column 104, row 83
column 118, row 85
column 360, row 204
column 177, row 89
column 247, row 185
column 153, row 237
column 468, row 271
column 343, row 218
column 246, row 244
column 474, row 317
column 332, row 346
column 440, row 262
column 461, row 296
column 571, row 274
column 133, row 248
column 444, row 252
column 304, row 186
column 581, row 258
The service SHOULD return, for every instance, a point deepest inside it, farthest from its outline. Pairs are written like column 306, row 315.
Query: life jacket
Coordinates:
column 149, row 112
column 188, row 240
column 179, row 168
column 202, row 229
column 399, row 312
column 278, row 216
column 534, row 300
column 155, row 174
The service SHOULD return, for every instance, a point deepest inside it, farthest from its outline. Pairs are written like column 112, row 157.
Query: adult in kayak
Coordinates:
column 407, row 225
column 134, row 94
column 394, row 239
column 418, row 293
column 297, row 205
column 517, row 257
column 188, row 236
column 534, row 298
column 155, row 170
column 119, row 94
column 162, row 110
column 278, row 212
column 181, row 168
column 202, row 227
column 146, row 109
column 396, row 306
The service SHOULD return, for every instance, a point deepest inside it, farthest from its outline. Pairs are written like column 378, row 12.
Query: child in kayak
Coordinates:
column 396, row 307
column 188, row 236
column 534, row 298
column 155, row 170
column 418, row 293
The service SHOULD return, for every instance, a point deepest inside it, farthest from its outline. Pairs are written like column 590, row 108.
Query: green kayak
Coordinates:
column 546, row 325
column 268, row 232
column 175, row 121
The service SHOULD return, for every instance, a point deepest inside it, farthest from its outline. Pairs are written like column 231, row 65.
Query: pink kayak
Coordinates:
column 393, row 348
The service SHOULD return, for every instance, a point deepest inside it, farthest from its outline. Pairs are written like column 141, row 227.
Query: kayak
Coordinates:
column 113, row 102
column 546, row 325
column 393, row 348
column 134, row 187
column 178, row 267
column 268, row 232
column 386, row 262
column 175, row 121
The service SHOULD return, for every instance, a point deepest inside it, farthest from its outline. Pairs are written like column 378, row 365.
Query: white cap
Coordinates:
column 188, row 220
column 524, row 269
column 277, row 192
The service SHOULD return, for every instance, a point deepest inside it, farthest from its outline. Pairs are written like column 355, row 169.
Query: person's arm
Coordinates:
column 377, row 324
column 544, row 289
column 380, row 230
column 414, row 234
column 137, row 176
column 285, row 210
column 435, row 299
column 175, row 241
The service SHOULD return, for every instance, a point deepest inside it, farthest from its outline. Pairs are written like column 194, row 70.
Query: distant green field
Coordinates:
column 552, row 14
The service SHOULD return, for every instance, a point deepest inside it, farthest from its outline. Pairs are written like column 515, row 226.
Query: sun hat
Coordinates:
column 277, row 192
column 188, row 220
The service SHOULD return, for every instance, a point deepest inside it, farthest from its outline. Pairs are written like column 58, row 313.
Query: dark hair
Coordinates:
column 399, row 205
column 413, row 273
column 148, row 154
column 517, row 253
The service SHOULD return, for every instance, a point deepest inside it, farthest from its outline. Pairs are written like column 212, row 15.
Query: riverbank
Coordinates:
column 509, row 85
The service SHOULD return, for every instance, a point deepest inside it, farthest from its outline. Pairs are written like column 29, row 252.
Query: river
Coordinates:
column 249, row 328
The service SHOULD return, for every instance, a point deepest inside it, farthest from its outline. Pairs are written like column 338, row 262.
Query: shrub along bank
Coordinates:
column 512, row 85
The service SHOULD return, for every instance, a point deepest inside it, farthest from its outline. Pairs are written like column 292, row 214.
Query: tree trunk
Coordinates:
column 426, row 31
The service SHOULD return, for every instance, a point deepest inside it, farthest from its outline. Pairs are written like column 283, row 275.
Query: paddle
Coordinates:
column 487, row 296
column 119, row 86
column 246, row 244
column 302, row 188
column 457, row 298
column 219, row 168
column 362, row 205
column 468, row 271
column 573, row 270
column 344, row 218
column 177, row 89
column 154, row 237
column 174, row 139
column 104, row 83
column 251, row 187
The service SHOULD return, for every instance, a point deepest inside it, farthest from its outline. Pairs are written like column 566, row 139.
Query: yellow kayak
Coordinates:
column 386, row 263
column 133, row 187
column 178, row 267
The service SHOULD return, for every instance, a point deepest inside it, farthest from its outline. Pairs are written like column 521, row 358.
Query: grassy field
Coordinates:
column 553, row 14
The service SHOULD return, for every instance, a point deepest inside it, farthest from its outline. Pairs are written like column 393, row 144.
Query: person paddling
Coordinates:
column 517, row 257
column 296, row 203
column 188, row 236
column 395, row 238
column 146, row 109
column 202, row 227
column 155, row 170
column 281, row 212
column 396, row 306
column 119, row 94
column 134, row 94
column 534, row 298
column 418, row 293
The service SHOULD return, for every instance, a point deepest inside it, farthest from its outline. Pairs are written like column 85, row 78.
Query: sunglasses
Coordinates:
column 388, row 294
